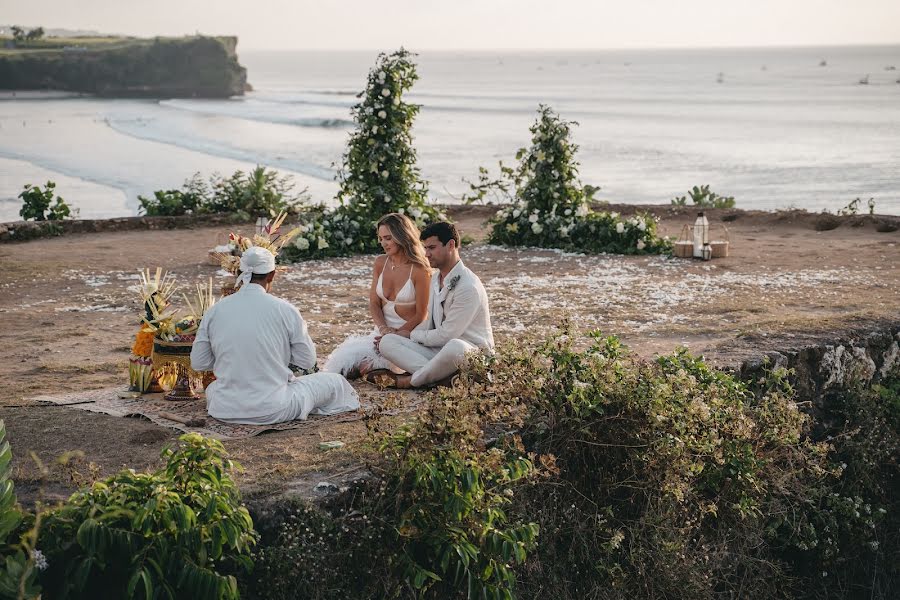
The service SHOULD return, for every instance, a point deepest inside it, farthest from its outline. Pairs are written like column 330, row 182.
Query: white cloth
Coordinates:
column 248, row 340
column 358, row 350
column 255, row 261
column 460, row 322
column 427, row 365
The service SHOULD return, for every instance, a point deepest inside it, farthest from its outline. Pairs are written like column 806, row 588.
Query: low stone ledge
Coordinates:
column 21, row 231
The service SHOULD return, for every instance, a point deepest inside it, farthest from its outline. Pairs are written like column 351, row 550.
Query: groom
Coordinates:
column 460, row 318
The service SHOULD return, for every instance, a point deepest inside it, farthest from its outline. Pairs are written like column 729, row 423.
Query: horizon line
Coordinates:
column 587, row 49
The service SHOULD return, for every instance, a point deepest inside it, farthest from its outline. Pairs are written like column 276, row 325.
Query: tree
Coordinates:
column 18, row 33
column 35, row 34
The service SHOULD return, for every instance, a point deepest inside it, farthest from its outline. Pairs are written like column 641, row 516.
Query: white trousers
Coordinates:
column 426, row 364
column 316, row 394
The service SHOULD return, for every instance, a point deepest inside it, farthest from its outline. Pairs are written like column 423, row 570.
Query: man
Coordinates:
column 460, row 317
column 248, row 339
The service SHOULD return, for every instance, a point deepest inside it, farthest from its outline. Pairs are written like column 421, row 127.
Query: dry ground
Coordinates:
column 67, row 320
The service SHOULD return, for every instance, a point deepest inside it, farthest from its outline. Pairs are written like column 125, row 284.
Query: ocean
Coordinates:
column 775, row 128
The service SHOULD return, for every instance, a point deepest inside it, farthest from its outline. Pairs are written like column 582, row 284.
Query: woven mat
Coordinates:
column 149, row 406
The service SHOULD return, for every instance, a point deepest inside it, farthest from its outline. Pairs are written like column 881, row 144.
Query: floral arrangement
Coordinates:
column 379, row 173
column 550, row 208
column 270, row 238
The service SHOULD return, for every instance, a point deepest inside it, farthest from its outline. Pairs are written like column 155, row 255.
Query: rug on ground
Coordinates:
column 151, row 406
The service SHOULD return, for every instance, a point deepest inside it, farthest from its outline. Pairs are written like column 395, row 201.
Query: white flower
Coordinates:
column 620, row 227
column 374, row 130
column 517, row 212
column 385, row 174
column 641, row 245
column 396, row 101
column 385, row 92
column 322, row 243
column 582, row 210
column 416, row 213
column 541, row 155
column 555, row 174
column 537, row 227
column 642, row 225
column 348, row 241
column 568, row 212
column 370, row 141
column 386, row 199
column 382, row 114
column 533, row 217
column 369, row 110
column 40, row 561
column 563, row 231
column 301, row 243
column 614, row 215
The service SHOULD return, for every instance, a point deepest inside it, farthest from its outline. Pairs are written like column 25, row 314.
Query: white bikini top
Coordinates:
column 406, row 295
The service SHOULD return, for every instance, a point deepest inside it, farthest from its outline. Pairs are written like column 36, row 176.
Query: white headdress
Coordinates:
column 255, row 261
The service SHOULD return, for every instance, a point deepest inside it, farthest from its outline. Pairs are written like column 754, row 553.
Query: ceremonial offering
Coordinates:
column 175, row 357
column 684, row 245
column 720, row 247
column 267, row 237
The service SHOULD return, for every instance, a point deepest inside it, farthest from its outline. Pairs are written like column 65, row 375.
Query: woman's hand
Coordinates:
column 384, row 330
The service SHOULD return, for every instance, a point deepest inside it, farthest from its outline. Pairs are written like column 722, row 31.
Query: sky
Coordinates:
column 479, row 24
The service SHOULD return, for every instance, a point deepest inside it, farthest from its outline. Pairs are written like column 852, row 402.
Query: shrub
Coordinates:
column 179, row 532
column 170, row 203
column 703, row 198
column 36, row 204
column 432, row 521
column 550, row 208
column 19, row 563
column 261, row 192
column 379, row 174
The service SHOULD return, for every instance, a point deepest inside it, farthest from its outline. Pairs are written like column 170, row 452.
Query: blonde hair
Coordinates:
column 405, row 234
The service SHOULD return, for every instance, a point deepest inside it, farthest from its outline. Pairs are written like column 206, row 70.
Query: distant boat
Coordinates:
column 823, row 63
column 890, row 68
column 720, row 78
column 864, row 80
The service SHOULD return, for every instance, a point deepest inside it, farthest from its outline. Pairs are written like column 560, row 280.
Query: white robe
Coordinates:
column 248, row 339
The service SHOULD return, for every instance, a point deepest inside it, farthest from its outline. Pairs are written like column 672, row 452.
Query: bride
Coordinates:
column 398, row 297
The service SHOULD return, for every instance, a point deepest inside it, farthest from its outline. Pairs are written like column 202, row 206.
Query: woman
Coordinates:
column 398, row 297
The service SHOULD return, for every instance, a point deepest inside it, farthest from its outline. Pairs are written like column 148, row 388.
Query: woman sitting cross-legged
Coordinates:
column 398, row 297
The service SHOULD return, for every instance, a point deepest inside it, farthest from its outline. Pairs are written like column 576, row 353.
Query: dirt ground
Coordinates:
column 67, row 320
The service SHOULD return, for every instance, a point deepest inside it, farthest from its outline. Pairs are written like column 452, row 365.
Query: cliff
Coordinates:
column 203, row 67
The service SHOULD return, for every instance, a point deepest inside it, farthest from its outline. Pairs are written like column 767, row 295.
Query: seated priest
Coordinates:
column 248, row 339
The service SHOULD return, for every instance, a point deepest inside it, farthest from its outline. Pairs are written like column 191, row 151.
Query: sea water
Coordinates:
column 775, row 128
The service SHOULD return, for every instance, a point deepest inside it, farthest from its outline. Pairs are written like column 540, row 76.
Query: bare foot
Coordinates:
column 404, row 382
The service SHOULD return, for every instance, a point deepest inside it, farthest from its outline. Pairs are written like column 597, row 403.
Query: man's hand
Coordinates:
column 400, row 332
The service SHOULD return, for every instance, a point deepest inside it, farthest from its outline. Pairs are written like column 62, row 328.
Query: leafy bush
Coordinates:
column 431, row 522
column 550, row 208
column 36, row 204
column 19, row 563
column 179, row 532
column 261, row 192
column 703, row 198
column 379, row 174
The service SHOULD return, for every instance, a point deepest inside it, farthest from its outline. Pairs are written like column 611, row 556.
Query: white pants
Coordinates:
column 426, row 364
column 316, row 394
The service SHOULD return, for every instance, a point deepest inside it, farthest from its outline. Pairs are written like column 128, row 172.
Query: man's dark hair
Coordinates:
column 443, row 231
column 259, row 277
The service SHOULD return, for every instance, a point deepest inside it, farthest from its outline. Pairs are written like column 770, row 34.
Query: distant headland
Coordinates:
column 115, row 66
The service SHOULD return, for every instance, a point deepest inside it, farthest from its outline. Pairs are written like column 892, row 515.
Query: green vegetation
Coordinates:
column 379, row 173
column 261, row 192
column 19, row 564
column 701, row 197
column 662, row 479
column 195, row 66
column 36, row 204
column 549, row 207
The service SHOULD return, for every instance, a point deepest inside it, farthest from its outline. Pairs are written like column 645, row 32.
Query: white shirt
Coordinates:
column 458, row 313
column 248, row 339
